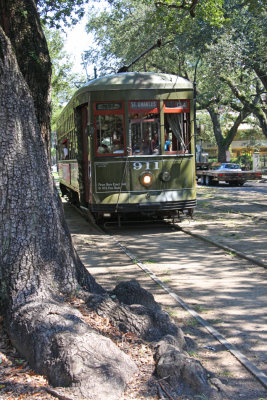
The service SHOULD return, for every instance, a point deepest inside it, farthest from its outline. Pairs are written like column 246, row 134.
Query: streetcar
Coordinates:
column 126, row 146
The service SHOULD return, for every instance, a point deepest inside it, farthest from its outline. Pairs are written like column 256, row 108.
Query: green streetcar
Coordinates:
column 126, row 146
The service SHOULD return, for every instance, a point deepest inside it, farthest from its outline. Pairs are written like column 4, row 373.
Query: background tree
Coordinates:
column 127, row 28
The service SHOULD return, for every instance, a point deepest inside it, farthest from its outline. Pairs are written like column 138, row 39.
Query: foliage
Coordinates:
column 175, row 12
column 207, row 135
column 129, row 27
column 119, row 32
column 54, row 12
column 245, row 160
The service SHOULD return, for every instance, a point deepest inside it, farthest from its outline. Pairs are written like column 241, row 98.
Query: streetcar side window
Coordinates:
column 109, row 129
column 67, row 139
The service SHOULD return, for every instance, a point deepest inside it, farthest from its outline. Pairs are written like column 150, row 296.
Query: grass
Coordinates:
column 215, row 321
column 199, row 308
column 227, row 373
column 204, row 204
column 173, row 314
column 232, row 254
column 193, row 354
column 192, row 322
column 207, row 195
column 166, row 279
column 149, row 262
column 201, row 397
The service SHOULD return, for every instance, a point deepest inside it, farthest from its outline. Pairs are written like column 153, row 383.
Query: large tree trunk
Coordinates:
column 37, row 261
column 260, row 113
column 222, row 147
column 20, row 22
column 224, row 143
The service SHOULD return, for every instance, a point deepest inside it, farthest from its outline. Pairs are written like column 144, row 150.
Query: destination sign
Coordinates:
column 145, row 105
column 108, row 106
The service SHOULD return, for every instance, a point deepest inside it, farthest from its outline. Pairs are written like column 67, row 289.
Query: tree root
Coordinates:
column 185, row 374
column 58, row 344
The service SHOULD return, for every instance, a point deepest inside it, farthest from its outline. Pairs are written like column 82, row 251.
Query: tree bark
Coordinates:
column 224, row 143
column 261, row 74
column 20, row 22
column 222, row 147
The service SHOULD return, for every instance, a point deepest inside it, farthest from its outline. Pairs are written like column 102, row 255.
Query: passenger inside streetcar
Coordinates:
column 65, row 149
column 155, row 144
column 103, row 148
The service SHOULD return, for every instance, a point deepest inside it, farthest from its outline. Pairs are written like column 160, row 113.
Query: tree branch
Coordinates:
column 252, row 106
column 183, row 6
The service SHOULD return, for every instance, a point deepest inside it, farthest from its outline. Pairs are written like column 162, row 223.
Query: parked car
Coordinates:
column 227, row 167
column 231, row 173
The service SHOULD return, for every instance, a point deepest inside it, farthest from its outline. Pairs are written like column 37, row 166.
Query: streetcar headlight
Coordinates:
column 146, row 179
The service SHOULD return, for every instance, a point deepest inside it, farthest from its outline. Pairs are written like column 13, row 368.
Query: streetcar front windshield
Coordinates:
column 145, row 137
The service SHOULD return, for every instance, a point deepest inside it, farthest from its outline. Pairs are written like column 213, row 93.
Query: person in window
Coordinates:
column 155, row 144
column 65, row 149
column 136, row 148
column 117, row 146
column 167, row 143
column 146, row 144
column 103, row 148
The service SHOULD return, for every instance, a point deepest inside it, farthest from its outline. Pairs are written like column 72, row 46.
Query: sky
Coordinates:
column 77, row 41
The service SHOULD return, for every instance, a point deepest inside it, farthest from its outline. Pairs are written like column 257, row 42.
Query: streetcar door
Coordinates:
column 145, row 135
column 83, row 163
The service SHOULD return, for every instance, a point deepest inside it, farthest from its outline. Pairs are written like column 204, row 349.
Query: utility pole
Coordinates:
column 195, row 106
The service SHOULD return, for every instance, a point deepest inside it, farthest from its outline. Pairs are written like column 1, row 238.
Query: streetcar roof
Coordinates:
column 131, row 81
column 137, row 80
